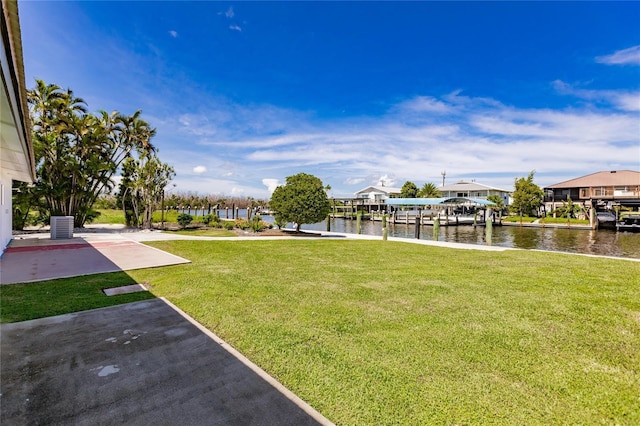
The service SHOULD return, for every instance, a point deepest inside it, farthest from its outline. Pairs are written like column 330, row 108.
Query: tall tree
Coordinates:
column 141, row 188
column 409, row 190
column 527, row 196
column 497, row 200
column 77, row 153
column 303, row 199
column 429, row 190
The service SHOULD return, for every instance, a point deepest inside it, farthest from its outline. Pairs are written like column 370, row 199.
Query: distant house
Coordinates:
column 377, row 194
column 476, row 190
column 607, row 188
column 16, row 149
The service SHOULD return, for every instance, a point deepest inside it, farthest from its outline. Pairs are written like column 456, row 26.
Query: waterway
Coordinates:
column 603, row 242
column 599, row 242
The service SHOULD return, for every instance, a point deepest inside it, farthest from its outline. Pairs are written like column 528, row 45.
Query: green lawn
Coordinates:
column 204, row 232
column 561, row 220
column 373, row 332
column 20, row 302
column 110, row 216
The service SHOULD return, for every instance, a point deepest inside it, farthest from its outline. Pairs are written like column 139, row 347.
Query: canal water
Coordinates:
column 604, row 242
column 601, row 242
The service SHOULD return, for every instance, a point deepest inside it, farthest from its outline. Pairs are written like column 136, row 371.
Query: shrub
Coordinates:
column 242, row 224
column 92, row 215
column 211, row 219
column 228, row 225
column 184, row 219
column 256, row 224
column 280, row 221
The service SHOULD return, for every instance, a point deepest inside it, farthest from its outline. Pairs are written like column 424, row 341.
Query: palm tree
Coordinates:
column 137, row 133
column 429, row 190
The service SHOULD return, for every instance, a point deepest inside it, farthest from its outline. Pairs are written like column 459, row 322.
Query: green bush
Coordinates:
column 184, row 219
column 242, row 224
column 228, row 225
column 256, row 224
column 92, row 215
column 280, row 221
column 211, row 219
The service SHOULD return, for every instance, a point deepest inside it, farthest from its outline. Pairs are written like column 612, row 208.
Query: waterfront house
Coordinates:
column 377, row 193
column 474, row 190
column 16, row 148
column 602, row 189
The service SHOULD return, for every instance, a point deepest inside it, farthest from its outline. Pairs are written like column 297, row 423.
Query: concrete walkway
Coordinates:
column 37, row 258
column 140, row 363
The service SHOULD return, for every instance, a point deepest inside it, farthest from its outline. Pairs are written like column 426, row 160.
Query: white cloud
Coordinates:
column 199, row 170
column 229, row 13
column 235, row 27
column 621, row 99
column 353, row 181
column 477, row 138
column 425, row 104
column 386, row 180
column 173, row 33
column 630, row 56
column 629, row 101
column 271, row 184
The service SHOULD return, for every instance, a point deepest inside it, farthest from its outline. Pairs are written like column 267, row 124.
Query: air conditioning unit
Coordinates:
column 61, row 227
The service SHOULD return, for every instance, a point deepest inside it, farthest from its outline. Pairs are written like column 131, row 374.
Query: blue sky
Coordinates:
column 244, row 94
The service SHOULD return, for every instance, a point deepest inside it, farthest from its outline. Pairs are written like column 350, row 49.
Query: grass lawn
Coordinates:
column 110, row 216
column 561, row 220
column 564, row 220
column 204, row 232
column 372, row 332
column 20, row 302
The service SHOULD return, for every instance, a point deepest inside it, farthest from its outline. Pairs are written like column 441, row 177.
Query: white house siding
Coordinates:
column 16, row 149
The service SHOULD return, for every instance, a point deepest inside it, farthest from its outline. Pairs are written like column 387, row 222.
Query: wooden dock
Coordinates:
column 410, row 218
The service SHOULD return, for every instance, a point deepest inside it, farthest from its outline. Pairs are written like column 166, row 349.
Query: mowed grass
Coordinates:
column 21, row 302
column 204, row 232
column 110, row 216
column 372, row 332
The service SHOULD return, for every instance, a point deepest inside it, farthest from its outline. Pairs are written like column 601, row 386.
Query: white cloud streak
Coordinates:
column 630, row 56
column 620, row 99
column 469, row 138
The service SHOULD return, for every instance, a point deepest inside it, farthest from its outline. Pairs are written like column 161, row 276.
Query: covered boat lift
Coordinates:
column 449, row 211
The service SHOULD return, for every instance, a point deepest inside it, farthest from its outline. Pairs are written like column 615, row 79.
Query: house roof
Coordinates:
column 16, row 148
column 469, row 186
column 605, row 178
column 436, row 201
column 378, row 188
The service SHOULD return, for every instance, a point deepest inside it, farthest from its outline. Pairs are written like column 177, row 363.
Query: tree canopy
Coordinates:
column 409, row 190
column 497, row 200
column 527, row 196
column 303, row 199
column 77, row 153
column 429, row 190
column 142, row 187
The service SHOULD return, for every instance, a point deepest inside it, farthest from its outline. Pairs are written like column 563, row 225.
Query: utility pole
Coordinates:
column 444, row 174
